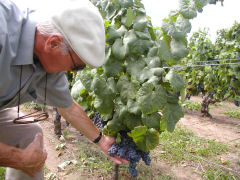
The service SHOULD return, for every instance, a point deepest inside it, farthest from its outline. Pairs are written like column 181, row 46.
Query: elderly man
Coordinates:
column 33, row 58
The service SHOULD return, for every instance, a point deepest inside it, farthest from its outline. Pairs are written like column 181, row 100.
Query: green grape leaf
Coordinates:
column 128, row 90
column 140, row 22
column 146, row 139
column 134, row 67
column 153, row 62
column 153, row 52
column 131, row 121
column 172, row 31
column 119, row 50
column 183, row 25
column 143, row 35
column 112, row 85
column 151, row 98
column 172, row 98
column 128, row 19
column 171, row 115
column 154, row 80
column 177, row 82
column 157, row 71
column 115, row 34
column 187, row 9
column 199, row 4
column 86, row 79
column 125, row 3
column 236, row 84
column 141, row 46
column 113, row 126
column 164, row 51
column 112, row 67
column 104, row 105
column 138, row 3
column 99, row 86
column 178, row 49
column 129, row 38
column 110, row 11
column 133, row 107
column 145, row 74
column 77, row 90
column 152, row 120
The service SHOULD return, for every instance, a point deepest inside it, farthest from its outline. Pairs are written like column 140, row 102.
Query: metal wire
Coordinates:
column 37, row 116
column 200, row 65
column 218, row 60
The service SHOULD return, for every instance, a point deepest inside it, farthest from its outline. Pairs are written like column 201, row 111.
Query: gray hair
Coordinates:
column 47, row 28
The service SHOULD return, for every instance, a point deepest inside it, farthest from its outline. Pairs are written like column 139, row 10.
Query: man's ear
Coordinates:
column 53, row 44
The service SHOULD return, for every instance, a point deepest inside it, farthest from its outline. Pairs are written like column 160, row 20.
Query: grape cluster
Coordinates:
column 236, row 103
column 212, row 93
column 127, row 149
column 97, row 120
column 200, row 86
column 230, row 88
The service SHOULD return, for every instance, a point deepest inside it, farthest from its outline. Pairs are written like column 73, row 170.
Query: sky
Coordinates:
column 214, row 17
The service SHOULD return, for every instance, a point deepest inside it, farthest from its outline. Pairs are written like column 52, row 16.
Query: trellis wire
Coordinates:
column 218, row 165
column 210, row 162
column 200, row 65
column 217, row 60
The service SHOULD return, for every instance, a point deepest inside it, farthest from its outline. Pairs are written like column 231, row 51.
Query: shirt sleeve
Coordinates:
column 57, row 91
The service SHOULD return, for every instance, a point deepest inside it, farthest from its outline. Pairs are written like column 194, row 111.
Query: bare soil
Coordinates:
column 220, row 128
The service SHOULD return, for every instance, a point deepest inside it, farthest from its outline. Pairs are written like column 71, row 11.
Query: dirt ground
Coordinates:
column 220, row 128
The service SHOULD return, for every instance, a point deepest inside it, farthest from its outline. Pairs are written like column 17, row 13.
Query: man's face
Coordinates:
column 74, row 62
column 58, row 56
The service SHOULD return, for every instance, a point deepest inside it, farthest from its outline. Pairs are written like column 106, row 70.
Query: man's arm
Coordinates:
column 29, row 160
column 79, row 119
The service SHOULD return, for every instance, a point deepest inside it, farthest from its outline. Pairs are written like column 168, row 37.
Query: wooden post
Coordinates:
column 57, row 123
column 115, row 171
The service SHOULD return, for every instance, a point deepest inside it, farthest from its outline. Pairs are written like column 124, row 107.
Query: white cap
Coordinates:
column 82, row 26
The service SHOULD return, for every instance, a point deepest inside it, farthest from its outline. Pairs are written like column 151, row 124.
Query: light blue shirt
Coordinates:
column 17, row 32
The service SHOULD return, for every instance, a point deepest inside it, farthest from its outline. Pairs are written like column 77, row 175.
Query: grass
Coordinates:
column 213, row 173
column 191, row 105
column 182, row 146
column 91, row 162
column 2, row 173
column 179, row 145
column 31, row 106
column 233, row 113
column 174, row 148
column 218, row 104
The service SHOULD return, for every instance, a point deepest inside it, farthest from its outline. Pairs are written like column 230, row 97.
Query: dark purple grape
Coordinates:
column 128, row 149
column 122, row 152
column 146, row 158
column 133, row 172
column 236, row 103
column 113, row 149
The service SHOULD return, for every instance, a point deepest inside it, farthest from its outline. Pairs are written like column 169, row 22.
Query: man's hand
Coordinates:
column 105, row 143
column 79, row 119
column 33, row 157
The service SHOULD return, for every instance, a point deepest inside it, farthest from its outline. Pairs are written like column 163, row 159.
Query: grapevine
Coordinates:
column 136, row 97
column 220, row 82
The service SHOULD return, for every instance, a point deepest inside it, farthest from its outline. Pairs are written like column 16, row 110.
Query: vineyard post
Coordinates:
column 115, row 171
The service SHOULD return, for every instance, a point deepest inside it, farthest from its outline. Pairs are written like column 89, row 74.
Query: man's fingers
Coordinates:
column 121, row 159
column 38, row 137
column 37, row 140
column 116, row 160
